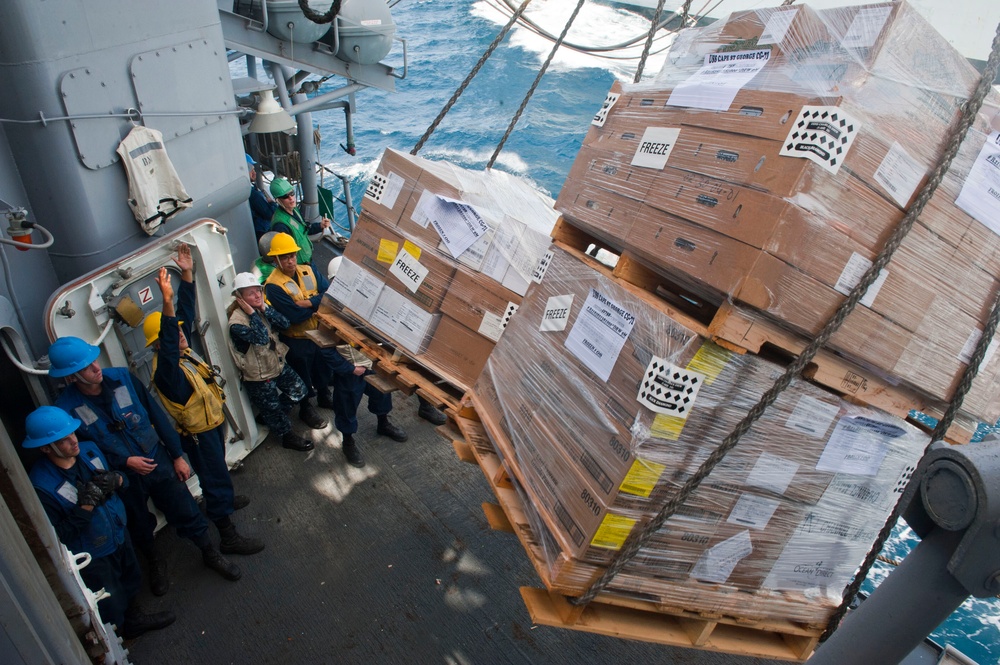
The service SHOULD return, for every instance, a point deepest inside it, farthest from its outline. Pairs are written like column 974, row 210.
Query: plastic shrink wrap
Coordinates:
column 773, row 156
column 602, row 405
column 440, row 259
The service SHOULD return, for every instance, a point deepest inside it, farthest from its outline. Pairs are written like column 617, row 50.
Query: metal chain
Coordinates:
column 531, row 90
column 637, row 540
column 315, row 16
column 654, row 24
column 472, row 74
column 969, row 111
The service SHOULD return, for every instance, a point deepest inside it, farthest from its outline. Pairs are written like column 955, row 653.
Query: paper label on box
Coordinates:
column 709, row 361
column 491, row 326
column 543, row 265
column 776, row 27
column 556, row 316
column 851, row 275
column 773, row 473
column 412, row 249
column 667, row 388
column 857, row 445
column 866, row 27
column 812, row 416
column 899, row 174
column 387, row 250
column 409, row 271
column 752, row 511
column 965, row 355
column 717, row 563
column 419, row 214
column 511, row 309
column 808, row 563
column 655, row 146
column 613, row 532
column 980, row 195
column 458, row 224
column 642, row 477
column 385, row 189
column 602, row 116
column 715, row 85
column 822, row 134
column 599, row 333
column 666, row 427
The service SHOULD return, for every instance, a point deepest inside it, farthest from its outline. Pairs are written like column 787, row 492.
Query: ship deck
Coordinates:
column 391, row 563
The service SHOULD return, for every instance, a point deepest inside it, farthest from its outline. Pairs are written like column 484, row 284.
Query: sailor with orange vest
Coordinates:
column 296, row 291
column 191, row 393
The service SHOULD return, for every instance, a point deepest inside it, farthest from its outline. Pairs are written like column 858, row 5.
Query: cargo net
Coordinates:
column 775, row 165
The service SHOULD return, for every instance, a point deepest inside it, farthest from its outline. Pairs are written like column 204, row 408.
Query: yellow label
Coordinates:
column 710, row 360
column 666, row 427
column 642, row 477
column 613, row 531
column 411, row 249
column 387, row 250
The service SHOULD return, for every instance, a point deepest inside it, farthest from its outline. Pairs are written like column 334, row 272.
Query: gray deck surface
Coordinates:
column 392, row 563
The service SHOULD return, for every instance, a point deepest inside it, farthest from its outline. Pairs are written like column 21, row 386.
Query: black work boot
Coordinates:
column 352, row 452
column 430, row 413
column 220, row 564
column 240, row 501
column 158, row 580
column 292, row 441
column 310, row 416
column 233, row 543
column 394, row 432
column 324, row 400
column 138, row 623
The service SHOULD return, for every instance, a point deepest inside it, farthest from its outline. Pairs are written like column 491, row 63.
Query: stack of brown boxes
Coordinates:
column 781, row 199
column 440, row 259
column 604, row 418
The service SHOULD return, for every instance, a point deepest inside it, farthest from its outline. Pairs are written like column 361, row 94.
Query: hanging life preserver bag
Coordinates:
column 155, row 192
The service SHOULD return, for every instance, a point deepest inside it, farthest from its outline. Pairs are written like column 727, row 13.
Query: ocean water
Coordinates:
column 445, row 39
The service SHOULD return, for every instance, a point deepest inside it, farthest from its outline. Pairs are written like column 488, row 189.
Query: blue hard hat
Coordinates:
column 48, row 424
column 68, row 355
column 250, row 161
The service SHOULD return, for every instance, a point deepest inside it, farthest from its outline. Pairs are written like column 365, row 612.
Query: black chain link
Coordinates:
column 315, row 16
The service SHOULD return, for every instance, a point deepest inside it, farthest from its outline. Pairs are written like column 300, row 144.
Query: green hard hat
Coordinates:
column 280, row 187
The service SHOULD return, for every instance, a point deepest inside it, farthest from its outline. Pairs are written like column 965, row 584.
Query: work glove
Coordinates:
column 106, row 481
column 89, row 495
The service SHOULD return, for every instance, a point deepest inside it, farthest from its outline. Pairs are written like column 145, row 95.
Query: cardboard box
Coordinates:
column 389, row 189
column 377, row 248
column 458, row 353
column 403, row 321
column 356, row 289
column 479, row 303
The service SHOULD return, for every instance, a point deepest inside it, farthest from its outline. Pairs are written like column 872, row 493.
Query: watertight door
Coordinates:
column 106, row 307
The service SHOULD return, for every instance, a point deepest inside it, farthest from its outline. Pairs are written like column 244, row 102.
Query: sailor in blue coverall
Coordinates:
column 296, row 291
column 192, row 395
column 260, row 208
column 138, row 439
column 79, row 494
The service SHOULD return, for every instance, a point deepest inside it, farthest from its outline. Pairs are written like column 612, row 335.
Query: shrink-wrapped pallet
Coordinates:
column 773, row 156
column 603, row 406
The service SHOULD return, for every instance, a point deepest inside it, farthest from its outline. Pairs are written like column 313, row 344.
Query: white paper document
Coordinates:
column 865, row 28
column 752, row 511
column 899, row 174
column 556, row 315
column 409, row 271
column 812, row 416
column 458, row 223
column 980, row 195
column 718, row 562
column 599, row 333
column 655, row 146
column 715, row 85
column 851, row 275
column 385, row 189
column 776, row 27
column 772, row 472
column 857, row 445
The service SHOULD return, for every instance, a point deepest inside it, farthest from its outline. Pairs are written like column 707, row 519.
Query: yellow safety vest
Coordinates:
column 203, row 410
column 303, row 287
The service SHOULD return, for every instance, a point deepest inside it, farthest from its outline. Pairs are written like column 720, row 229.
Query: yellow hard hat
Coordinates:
column 282, row 244
column 151, row 327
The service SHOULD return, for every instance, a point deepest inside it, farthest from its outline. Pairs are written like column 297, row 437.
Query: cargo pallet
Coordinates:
column 394, row 368
column 742, row 332
column 609, row 614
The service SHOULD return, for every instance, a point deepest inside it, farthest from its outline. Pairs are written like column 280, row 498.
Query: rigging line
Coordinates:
column 638, row 539
column 538, row 79
column 652, row 32
column 468, row 79
column 538, row 30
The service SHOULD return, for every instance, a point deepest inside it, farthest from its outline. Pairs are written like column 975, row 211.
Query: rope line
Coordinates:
column 653, row 25
column 638, row 539
column 468, row 79
column 969, row 111
column 534, row 84
column 316, row 17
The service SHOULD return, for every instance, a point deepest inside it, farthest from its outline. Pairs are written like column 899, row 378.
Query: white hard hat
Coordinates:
column 331, row 270
column 244, row 280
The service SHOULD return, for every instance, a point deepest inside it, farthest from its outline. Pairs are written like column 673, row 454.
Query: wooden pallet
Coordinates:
column 609, row 614
column 394, row 368
column 741, row 332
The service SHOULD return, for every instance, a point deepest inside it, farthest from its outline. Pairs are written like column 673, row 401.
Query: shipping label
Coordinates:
column 822, row 134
